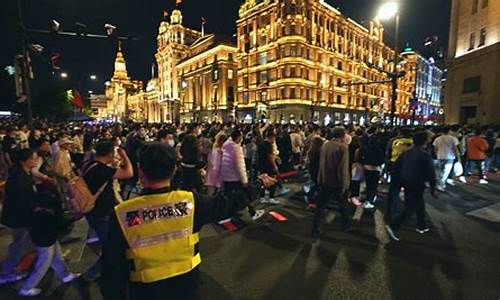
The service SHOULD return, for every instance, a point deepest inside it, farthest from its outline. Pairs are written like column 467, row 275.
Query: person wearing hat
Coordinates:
column 62, row 163
column 152, row 247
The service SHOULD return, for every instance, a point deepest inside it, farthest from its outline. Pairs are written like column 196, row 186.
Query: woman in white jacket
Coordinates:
column 233, row 171
column 213, row 179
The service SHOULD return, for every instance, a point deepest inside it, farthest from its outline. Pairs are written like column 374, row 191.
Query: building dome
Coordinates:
column 176, row 17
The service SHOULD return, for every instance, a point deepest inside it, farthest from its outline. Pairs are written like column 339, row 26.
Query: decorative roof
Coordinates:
column 120, row 71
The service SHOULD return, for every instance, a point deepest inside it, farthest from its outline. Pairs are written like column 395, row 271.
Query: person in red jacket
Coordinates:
column 476, row 155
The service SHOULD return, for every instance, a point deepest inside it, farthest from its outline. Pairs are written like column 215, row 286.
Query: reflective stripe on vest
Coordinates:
column 159, row 232
column 400, row 146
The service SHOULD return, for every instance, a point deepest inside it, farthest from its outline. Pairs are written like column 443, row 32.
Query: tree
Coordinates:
column 50, row 102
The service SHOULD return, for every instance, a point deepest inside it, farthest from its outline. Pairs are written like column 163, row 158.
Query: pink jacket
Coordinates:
column 213, row 168
column 233, row 167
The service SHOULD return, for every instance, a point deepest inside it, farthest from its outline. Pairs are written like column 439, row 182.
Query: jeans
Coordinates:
column 496, row 160
column 480, row 165
column 393, row 197
column 414, row 203
column 100, row 225
column 19, row 247
column 445, row 168
column 371, row 178
column 46, row 257
column 325, row 195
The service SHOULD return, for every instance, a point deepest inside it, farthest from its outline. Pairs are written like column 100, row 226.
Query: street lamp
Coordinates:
column 64, row 75
column 93, row 77
column 388, row 11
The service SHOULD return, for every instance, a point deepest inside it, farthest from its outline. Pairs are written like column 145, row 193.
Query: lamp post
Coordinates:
column 388, row 11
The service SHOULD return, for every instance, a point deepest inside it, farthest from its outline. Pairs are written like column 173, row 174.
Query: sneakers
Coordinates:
column 422, row 231
column 70, row 277
column 258, row 214
column 283, row 191
column 483, row 181
column 462, row 179
column 13, row 277
column 391, row 233
column 441, row 189
column 450, row 182
column 92, row 240
column 263, row 200
column 30, row 293
column 274, row 201
column 368, row 205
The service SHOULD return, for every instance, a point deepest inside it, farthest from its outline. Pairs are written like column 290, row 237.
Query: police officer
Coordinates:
column 152, row 246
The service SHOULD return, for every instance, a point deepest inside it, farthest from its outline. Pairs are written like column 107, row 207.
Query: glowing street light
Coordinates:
column 388, row 11
column 64, row 75
column 93, row 77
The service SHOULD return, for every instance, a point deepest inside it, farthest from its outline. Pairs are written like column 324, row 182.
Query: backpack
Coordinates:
column 372, row 151
column 81, row 199
column 400, row 146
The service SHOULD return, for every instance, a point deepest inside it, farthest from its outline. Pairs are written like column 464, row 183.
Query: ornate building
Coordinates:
column 298, row 58
column 174, row 41
column 208, row 80
column 472, row 85
column 294, row 60
column 425, row 79
column 119, row 89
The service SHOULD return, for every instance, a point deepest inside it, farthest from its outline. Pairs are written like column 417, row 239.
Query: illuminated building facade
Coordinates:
column 426, row 80
column 208, row 81
column 145, row 105
column 472, row 86
column 118, row 90
column 296, row 59
column 173, row 41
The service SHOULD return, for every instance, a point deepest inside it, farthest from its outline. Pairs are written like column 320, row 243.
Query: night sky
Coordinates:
column 139, row 18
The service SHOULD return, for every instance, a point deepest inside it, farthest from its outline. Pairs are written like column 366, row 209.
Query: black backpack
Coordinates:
column 372, row 151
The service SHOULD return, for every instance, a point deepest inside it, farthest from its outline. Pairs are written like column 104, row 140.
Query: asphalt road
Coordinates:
column 268, row 259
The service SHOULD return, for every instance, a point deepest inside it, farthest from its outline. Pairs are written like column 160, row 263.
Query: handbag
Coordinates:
column 358, row 172
column 81, row 200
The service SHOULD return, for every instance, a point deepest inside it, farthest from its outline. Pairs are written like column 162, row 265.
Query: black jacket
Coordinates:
column 20, row 193
column 116, row 267
column 415, row 168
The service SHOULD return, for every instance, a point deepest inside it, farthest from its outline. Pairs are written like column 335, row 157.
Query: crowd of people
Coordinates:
column 220, row 164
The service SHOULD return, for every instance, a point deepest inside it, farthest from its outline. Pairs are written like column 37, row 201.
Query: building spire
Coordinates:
column 120, row 64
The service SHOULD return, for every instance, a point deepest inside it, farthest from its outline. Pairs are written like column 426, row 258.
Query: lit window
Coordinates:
column 263, row 39
column 263, row 76
column 230, row 74
column 482, row 37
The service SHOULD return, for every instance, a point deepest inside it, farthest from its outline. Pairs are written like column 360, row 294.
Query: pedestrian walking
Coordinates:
column 447, row 153
column 476, row 155
column 414, row 169
column 333, row 179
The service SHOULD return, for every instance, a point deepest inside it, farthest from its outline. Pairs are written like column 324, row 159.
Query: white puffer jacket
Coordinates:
column 233, row 167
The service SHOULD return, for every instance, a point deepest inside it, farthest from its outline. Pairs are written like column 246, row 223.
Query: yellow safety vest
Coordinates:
column 159, row 232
